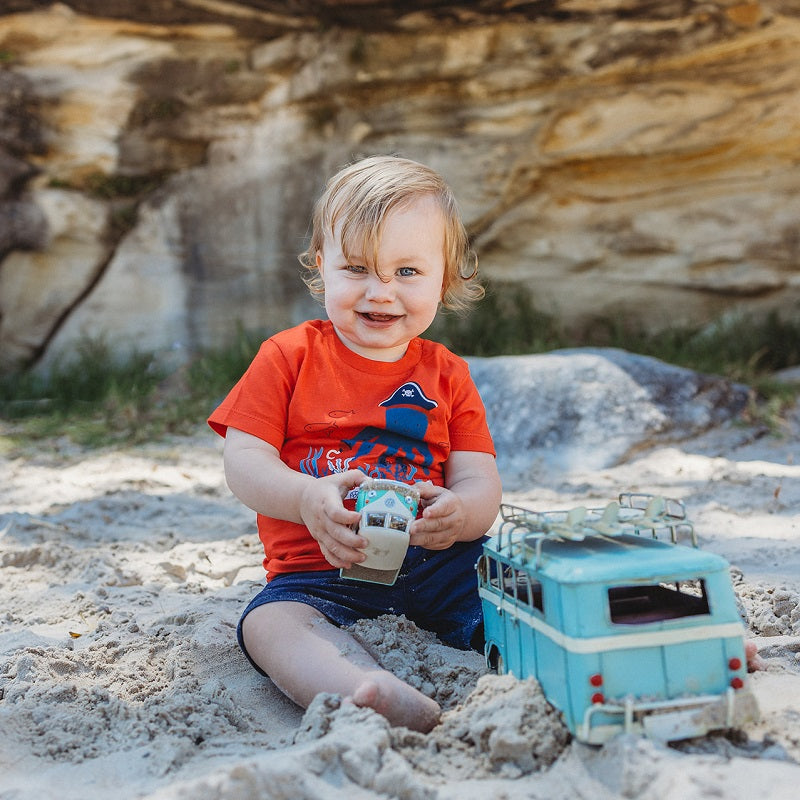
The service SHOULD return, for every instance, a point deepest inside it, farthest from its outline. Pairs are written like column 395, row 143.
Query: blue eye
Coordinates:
column 406, row 272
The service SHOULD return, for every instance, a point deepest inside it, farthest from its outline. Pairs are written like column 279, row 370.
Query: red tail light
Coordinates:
column 735, row 664
column 596, row 680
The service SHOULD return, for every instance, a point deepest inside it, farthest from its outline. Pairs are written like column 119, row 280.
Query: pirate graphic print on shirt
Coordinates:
column 396, row 449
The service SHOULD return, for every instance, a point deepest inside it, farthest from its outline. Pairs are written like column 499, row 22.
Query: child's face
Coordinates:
column 377, row 316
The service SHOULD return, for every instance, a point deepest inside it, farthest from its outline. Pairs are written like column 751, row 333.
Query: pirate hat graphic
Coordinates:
column 409, row 394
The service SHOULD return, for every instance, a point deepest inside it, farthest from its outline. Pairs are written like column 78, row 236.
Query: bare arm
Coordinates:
column 465, row 508
column 258, row 477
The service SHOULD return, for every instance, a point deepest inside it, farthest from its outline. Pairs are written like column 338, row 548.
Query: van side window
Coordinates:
column 529, row 591
column 517, row 583
column 537, row 598
column 488, row 572
column 635, row 605
column 509, row 579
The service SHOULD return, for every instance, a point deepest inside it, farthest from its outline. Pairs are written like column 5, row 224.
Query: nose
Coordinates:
column 380, row 289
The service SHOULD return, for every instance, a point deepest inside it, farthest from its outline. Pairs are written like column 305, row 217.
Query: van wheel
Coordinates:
column 494, row 660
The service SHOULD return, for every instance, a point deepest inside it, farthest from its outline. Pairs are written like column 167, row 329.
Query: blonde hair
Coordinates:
column 359, row 198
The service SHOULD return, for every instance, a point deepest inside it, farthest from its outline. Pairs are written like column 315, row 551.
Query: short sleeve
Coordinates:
column 258, row 403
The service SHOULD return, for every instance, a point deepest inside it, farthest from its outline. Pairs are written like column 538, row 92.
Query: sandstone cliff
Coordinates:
column 159, row 159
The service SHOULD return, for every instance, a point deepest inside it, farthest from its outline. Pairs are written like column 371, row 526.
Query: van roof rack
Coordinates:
column 633, row 513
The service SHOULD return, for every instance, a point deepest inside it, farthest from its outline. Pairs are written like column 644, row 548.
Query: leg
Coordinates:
column 304, row 654
column 445, row 599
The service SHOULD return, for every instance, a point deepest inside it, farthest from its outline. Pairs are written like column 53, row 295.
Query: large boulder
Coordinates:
column 588, row 408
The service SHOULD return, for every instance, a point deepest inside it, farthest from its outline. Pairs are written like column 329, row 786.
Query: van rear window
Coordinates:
column 635, row 605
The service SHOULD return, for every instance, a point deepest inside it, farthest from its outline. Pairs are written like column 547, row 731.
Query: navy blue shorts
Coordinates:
column 436, row 589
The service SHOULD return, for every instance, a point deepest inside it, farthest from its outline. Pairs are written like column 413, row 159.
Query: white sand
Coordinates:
column 123, row 575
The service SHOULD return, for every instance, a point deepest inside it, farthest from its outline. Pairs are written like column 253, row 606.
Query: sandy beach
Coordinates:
column 124, row 571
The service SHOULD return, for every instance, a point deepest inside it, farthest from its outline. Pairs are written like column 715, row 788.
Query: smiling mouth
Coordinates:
column 379, row 317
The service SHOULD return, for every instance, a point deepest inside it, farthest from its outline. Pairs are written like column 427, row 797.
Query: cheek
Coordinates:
column 337, row 295
column 436, row 292
column 331, row 301
column 429, row 307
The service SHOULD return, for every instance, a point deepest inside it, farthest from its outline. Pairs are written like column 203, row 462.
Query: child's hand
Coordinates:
column 443, row 518
column 328, row 521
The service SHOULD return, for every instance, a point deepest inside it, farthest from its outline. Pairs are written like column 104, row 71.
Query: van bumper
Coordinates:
column 668, row 720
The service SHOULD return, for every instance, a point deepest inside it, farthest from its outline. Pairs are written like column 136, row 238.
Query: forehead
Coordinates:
column 364, row 230
column 414, row 232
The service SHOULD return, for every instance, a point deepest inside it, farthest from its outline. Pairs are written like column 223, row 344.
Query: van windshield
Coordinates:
column 635, row 605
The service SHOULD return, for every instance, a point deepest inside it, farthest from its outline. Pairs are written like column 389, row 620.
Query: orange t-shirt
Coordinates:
column 327, row 409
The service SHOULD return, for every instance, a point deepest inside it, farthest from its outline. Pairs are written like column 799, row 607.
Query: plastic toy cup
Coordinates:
column 387, row 510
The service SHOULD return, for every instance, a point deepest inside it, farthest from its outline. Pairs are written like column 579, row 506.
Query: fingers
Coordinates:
column 340, row 545
column 428, row 492
column 439, row 538
column 329, row 522
column 338, row 554
column 347, row 480
column 445, row 510
column 441, row 522
column 435, row 523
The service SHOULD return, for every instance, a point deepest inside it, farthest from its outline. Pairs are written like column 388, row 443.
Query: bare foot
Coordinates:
column 754, row 660
column 400, row 703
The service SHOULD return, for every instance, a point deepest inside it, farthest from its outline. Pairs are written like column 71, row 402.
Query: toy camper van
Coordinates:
column 387, row 510
column 625, row 628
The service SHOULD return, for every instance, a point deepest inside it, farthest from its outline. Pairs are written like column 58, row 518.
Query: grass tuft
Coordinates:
column 505, row 322
column 97, row 400
column 93, row 398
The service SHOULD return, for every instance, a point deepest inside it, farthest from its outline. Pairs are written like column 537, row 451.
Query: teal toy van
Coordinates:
column 626, row 628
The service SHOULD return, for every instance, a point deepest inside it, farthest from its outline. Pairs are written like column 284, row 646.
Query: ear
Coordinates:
column 318, row 261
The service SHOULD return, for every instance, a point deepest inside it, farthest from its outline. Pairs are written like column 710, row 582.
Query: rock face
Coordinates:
column 159, row 160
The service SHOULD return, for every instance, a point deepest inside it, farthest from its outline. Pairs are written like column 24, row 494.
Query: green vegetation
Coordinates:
column 211, row 375
column 741, row 348
column 93, row 399
column 505, row 322
column 113, row 187
column 96, row 400
column 744, row 349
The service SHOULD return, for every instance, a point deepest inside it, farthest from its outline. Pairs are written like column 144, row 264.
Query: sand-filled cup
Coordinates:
column 387, row 510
